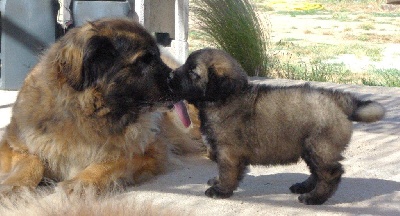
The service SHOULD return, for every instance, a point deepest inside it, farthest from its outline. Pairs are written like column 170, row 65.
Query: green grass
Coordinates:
column 367, row 26
column 234, row 26
column 386, row 14
column 383, row 77
column 319, row 52
column 300, row 12
column 342, row 17
column 233, row 30
column 313, row 67
column 362, row 37
column 315, row 71
column 346, row 1
column 196, row 35
column 337, row 73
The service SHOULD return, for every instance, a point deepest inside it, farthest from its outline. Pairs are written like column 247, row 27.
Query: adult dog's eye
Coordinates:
column 146, row 58
column 193, row 75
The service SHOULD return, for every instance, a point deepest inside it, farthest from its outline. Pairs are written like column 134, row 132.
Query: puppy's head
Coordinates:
column 208, row 75
column 119, row 60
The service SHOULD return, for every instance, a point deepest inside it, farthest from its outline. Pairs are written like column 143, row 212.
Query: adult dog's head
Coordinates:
column 208, row 75
column 114, row 63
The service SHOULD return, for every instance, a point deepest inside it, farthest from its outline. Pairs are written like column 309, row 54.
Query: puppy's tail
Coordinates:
column 367, row 111
column 356, row 109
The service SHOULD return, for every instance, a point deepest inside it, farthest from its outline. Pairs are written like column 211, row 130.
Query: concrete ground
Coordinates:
column 370, row 185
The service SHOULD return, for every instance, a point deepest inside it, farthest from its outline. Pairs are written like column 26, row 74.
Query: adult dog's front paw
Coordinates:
column 217, row 192
column 79, row 187
column 8, row 190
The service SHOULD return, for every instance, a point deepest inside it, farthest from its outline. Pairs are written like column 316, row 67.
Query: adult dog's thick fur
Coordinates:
column 86, row 115
column 259, row 124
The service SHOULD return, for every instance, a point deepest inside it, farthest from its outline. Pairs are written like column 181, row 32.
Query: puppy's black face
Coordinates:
column 208, row 75
column 187, row 81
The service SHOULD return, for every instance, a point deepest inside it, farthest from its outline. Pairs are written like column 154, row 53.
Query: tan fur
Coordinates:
column 62, row 130
column 244, row 123
column 50, row 203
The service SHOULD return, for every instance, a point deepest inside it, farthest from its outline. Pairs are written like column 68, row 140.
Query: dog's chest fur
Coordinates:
column 88, row 138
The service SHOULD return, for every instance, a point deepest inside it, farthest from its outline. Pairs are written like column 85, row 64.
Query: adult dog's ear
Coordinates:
column 68, row 59
column 98, row 57
column 82, row 64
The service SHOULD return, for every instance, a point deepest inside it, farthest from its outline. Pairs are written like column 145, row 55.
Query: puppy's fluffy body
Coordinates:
column 87, row 114
column 259, row 124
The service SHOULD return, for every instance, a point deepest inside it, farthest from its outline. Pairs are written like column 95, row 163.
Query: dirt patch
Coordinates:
column 371, row 27
column 331, row 29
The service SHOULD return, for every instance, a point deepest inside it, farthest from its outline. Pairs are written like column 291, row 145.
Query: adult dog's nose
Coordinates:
column 169, row 80
column 170, row 76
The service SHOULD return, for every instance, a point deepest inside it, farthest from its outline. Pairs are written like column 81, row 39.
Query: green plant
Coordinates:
column 320, row 52
column 314, row 71
column 347, row 29
column 367, row 26
column 300, row 12
column 343, row 17
column 394, row 14
column 383, row 77
column 235, row 27
column 308, row 31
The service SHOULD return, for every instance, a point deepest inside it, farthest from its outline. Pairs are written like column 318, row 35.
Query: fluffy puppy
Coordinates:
column 259, row 124
column 86, row 115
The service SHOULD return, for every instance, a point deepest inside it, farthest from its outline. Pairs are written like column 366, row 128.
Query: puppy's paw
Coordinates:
column 213, row 181
column 301, row 188
column 308, row 199
column 217, row 192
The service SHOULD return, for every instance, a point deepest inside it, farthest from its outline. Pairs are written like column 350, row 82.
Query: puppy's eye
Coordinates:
column 193, row 75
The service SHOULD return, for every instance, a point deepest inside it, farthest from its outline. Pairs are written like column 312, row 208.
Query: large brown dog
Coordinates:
column 86, row 115
column 260, row 124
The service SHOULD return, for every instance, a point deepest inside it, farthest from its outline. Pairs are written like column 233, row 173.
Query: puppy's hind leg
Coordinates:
column 305, row 186
column 325, row 177
column 328, row 179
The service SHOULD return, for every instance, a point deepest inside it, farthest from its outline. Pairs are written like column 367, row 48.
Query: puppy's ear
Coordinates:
column 98, row 57
column 220, row 86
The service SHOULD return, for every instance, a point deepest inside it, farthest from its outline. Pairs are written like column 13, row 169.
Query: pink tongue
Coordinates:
column 180, row 109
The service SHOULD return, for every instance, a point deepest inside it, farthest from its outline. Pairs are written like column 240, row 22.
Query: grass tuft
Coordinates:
column 315, row 71
column 383, row 77
column 234, row 26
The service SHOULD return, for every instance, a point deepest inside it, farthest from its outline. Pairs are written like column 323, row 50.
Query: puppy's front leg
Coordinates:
column 231, row 169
